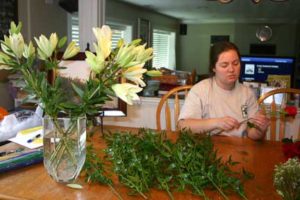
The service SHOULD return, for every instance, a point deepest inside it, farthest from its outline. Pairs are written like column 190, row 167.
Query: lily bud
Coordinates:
column 126, row 56
column 29, row 50
column 45, row 49
column 53, row 40
column 153, row 73
column 96, row 63
column 15, row 29
column 71, row 50
column 143, row 55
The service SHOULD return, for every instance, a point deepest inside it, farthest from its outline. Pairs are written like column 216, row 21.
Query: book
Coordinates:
column 21, row 159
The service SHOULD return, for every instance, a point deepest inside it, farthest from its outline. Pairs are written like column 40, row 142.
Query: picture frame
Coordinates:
column 77, row 69
column 144, row 31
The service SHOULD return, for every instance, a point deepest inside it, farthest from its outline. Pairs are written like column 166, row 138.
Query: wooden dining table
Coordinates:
column 258, row 157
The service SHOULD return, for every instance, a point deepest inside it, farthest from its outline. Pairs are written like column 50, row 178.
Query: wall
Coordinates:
column 194, row 47
column 129, row 14
column 39, row 17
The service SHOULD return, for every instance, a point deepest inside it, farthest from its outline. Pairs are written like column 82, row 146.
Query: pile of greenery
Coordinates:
column 149, row 160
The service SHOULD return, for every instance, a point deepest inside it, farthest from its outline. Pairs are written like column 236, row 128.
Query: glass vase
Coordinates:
column 64, row 147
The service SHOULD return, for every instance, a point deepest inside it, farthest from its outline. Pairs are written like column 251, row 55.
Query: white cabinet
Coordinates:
column 141, row 114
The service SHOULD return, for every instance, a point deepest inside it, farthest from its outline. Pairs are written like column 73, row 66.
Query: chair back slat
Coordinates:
column 278, row 120
column 176, row 108
column 273, row 119
column 176, row 93
column 168, row 115
column 282, row 118
column 281, row 127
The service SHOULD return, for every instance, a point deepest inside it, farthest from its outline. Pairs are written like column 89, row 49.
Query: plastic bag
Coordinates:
column 20, row 120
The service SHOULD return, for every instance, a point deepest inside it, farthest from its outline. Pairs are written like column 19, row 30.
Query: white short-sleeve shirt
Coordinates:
column 207, row 100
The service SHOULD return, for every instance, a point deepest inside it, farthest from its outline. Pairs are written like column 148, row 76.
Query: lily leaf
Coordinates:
column 78, row 90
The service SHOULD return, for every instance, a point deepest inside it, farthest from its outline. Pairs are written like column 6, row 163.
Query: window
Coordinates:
column 73, row 30
column 118, row 30
column 163, row 49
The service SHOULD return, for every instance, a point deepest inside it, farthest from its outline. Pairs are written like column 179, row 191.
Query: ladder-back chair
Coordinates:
column 176, row 93
column 277, row 120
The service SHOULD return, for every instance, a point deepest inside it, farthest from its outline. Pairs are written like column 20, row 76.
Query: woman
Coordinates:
column 220, row 104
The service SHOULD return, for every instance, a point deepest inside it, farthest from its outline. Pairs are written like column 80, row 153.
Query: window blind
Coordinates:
column 75, row 28
column 118, row 31
column 163, row 49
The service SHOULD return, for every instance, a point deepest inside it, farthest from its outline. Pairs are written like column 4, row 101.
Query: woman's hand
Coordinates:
column 260, row 121
column 226, row 123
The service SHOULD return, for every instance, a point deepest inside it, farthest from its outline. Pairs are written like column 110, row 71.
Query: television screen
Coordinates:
column 266, row 69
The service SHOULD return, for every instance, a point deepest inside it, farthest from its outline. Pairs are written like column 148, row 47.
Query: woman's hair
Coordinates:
column 216, row 50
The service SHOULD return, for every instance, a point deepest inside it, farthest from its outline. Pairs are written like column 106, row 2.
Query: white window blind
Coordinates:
column 118, row 30
column 117, row 34
column 75, row 28
column 163, row 49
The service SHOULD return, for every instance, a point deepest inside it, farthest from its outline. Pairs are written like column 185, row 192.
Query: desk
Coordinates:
column 258, row 157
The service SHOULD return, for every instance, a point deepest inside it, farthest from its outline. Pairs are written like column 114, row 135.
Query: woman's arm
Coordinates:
column 207, row 125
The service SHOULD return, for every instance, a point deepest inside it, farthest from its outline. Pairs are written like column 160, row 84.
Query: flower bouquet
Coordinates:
column 64, row 135
column 287, row 179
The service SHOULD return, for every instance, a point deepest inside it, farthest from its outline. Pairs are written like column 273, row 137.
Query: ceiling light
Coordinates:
column 256, row 1
column 225, row 1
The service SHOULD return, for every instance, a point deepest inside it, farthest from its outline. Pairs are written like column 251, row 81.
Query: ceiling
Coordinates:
column 211, row 11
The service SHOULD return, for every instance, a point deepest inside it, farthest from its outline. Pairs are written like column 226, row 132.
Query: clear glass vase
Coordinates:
column 64, row 147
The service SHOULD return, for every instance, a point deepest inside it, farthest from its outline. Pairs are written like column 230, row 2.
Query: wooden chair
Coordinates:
column 272, row 110
column 177, row 92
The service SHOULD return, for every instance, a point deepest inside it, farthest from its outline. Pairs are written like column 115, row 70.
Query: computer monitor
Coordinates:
column 260, row 69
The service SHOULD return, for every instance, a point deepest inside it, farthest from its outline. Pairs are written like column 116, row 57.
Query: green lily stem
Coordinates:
column 62, row 146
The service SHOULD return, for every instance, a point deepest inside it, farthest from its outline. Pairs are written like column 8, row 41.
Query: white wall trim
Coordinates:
column 91, row 14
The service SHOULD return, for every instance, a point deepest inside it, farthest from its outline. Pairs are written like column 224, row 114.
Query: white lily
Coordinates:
column 126, row 56
column 13, row 45
column 135, row 74
column 45, row 46
column 29, row 50
column 71, row 50
column 103, row 36
column 96, row 62
column 127, row 92
column 143, row 55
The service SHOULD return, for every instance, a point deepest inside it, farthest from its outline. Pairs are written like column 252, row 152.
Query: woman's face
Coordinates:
column 227, row 69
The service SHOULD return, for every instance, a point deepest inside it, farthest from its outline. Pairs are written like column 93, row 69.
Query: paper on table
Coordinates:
column 30, row 138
